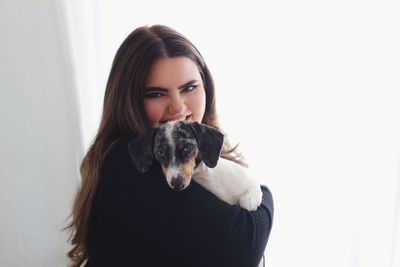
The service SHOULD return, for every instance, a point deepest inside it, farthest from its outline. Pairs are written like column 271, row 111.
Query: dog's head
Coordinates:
column 177, row 145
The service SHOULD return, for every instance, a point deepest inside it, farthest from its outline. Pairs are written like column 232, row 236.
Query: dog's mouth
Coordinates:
column 177, row 178
column 178, row 183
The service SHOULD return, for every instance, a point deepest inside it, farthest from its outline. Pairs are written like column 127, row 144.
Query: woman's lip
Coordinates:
column 187, row 118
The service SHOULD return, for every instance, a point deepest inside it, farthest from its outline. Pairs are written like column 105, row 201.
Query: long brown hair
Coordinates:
column 123, row 114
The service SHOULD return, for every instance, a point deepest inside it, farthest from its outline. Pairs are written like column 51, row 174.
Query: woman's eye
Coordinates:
column 190, row 88
column 153, row 95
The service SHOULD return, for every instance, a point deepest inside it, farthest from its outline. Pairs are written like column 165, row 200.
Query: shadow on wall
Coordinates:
column 40, row 135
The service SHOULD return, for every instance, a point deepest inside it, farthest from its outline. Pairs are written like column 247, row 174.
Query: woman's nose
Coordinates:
column 176, row 105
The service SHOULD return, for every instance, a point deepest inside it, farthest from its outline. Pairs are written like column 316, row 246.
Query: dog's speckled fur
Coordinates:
column 191, row 151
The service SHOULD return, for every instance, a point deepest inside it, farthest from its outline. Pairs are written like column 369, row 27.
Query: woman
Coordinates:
column 124, row 218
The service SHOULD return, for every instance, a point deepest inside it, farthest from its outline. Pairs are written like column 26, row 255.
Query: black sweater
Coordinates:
column 137, row 220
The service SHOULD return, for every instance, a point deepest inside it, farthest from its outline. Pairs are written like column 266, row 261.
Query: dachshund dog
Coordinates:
column 188, row 150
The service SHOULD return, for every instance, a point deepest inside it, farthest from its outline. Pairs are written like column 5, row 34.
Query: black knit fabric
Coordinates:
column 137, row 220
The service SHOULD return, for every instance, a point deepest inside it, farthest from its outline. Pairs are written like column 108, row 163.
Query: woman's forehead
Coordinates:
column 172, row 72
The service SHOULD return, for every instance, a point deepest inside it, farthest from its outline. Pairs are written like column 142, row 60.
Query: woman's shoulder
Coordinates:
column 117, row 162
column 122, row 142
column 118, row 167
column 119, row 149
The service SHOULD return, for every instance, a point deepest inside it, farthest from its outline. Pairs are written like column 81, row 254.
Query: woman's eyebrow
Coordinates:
column 157, row 88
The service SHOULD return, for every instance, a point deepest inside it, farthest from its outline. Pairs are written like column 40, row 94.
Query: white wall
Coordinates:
column 309, row 88
column 40, row 139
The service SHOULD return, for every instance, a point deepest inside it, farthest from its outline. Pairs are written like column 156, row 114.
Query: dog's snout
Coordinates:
column 178, row 183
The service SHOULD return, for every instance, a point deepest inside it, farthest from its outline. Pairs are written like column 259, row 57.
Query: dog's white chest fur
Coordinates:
column 231, row 183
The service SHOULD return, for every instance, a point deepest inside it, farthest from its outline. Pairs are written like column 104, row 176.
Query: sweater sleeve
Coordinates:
column 192, row 224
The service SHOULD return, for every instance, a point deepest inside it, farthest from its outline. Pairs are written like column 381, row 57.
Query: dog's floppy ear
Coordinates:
column 210, row 143
column 141, row 150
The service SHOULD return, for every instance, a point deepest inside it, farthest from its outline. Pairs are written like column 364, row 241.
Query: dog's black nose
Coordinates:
column 177, row 183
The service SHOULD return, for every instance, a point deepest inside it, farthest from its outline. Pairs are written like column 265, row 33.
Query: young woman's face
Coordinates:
column 174, row 91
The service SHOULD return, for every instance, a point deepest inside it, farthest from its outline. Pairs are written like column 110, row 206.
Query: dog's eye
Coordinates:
column 188, row 148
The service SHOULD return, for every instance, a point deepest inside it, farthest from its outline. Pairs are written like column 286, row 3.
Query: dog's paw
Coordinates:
column 251, row 199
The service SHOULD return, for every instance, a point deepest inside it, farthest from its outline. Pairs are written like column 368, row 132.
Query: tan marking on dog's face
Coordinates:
column 184, row 170
column 187, row 168
column 164, row 170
